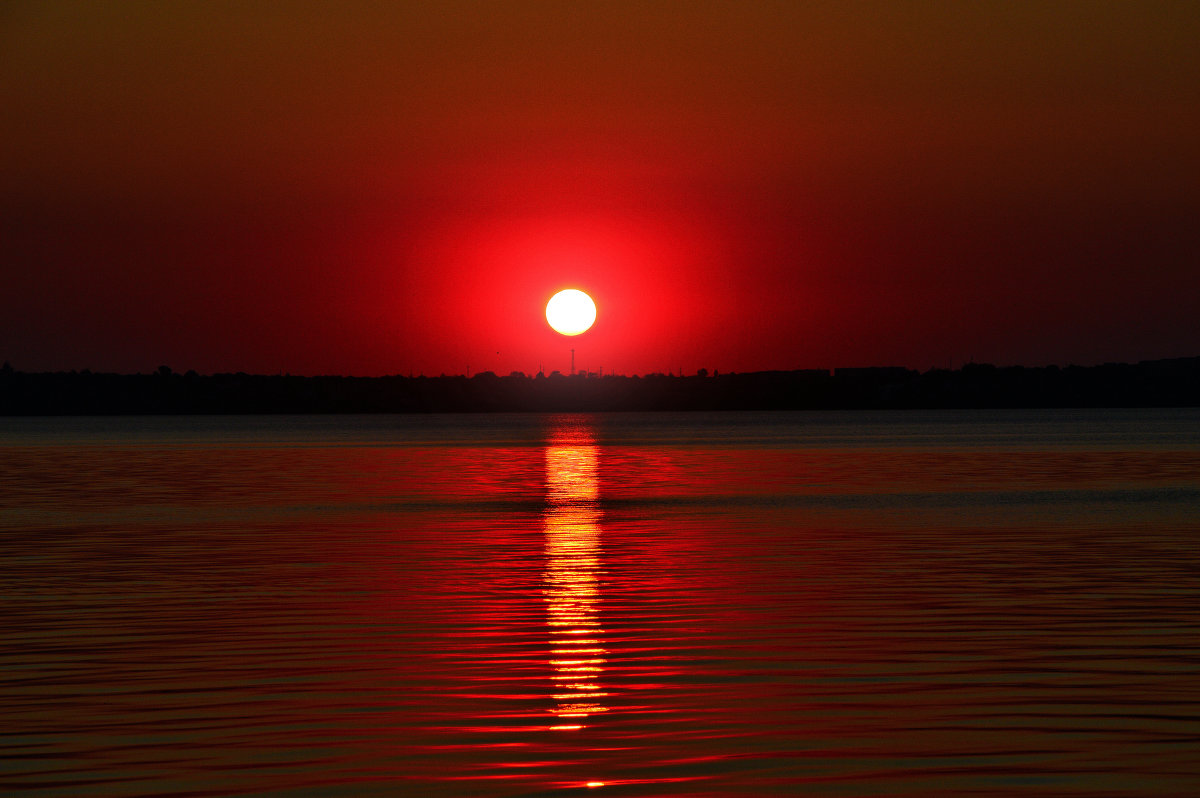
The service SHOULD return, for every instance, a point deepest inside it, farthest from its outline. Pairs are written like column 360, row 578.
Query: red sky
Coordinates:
column 375, row 188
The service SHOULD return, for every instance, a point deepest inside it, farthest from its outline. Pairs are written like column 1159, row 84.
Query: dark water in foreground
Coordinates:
column 745, row 604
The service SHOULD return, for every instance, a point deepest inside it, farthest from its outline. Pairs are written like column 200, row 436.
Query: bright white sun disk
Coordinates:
column 571, row 312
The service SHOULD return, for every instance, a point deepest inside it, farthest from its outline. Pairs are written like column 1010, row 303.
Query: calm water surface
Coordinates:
column 958, row 603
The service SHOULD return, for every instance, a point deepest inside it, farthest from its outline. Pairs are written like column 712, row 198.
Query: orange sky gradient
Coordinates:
column 377, row 188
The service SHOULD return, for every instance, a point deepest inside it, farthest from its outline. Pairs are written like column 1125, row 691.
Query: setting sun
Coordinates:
column 571, row 312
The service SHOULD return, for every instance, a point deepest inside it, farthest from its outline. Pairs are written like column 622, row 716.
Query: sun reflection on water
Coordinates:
column 572, row 577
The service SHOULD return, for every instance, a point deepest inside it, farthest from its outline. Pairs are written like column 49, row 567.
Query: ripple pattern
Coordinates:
column 590, row 609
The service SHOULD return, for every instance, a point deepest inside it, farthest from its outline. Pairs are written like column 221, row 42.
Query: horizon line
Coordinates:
column 164, row 370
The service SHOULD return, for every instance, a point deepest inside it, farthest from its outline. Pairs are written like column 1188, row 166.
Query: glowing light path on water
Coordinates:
column 572, row 589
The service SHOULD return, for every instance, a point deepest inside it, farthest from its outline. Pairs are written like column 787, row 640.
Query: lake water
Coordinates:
column 954, row 603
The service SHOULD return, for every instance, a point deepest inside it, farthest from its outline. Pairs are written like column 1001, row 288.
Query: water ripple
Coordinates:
column 591, row 614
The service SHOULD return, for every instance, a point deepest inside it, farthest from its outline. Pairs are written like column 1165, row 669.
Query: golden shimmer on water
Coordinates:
column 572, row 585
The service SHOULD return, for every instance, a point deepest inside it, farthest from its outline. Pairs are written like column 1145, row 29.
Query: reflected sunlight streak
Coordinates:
column 573, row 567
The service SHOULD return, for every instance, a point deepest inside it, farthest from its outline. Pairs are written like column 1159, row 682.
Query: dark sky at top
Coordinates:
column 372, row 188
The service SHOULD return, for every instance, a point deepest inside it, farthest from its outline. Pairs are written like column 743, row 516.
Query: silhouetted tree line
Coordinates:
column 1159, row 383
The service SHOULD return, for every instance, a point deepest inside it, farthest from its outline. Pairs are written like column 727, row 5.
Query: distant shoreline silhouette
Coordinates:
column 1155, row 383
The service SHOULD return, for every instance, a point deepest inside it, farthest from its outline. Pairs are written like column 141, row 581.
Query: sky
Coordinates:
column 394, row 188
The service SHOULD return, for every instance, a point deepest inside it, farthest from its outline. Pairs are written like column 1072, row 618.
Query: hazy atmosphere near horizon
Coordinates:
column 381, row 188
column 709, row 518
